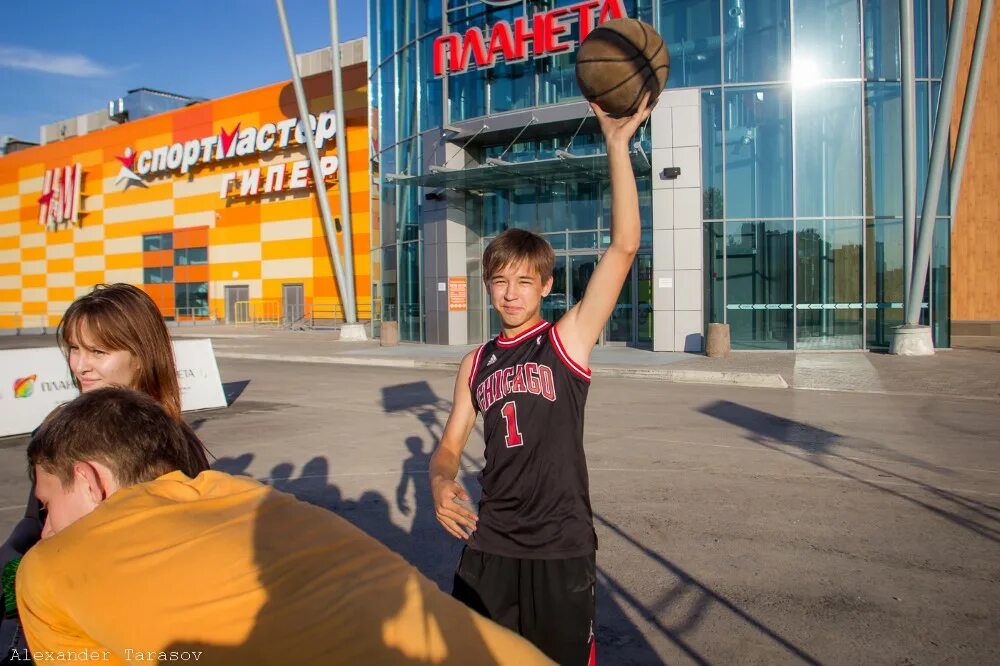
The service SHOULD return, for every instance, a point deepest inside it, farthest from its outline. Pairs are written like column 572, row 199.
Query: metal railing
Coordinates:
column 257, row 312
column 331, row 315
column 191, row 316
column 20, row 323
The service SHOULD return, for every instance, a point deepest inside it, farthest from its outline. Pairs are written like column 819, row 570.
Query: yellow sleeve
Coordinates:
column 52, row 636
column 432, row 627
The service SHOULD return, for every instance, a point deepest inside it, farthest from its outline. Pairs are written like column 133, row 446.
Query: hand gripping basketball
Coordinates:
column 619, row 62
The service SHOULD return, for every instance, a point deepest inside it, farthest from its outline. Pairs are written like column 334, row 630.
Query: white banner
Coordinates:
column 33, row 382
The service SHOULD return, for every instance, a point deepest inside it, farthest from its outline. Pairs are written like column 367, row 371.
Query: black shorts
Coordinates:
column 549, row 602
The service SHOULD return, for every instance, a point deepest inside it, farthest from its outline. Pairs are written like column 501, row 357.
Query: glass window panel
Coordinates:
column 828, row 304
column 882, row 40
column 557, row 240
column 883, row 280
column 758, row 145
column 430, row 15
column 410, row 314
column 197, row 255
column 715, row 304
column 406, row 22
column 939, row 35
column 711, row 156
column 920, row 37
column 828, row 158
column 619, row 327
column 386, row 20
column 554, row 305
column 151, row 276
column 181, row 257
column 198, row 298
column 467, row 95
column 387, row 103
column 181, row 299
column 406, row 119
column 827, row 40
column 511, row 86
column 583, row 205
column 759, row 265
column 644, row 284
column 166, row 241
column 884, row 136
column 557, row 79
column 390, row 311
column 691, row 29
column 640, row 9
column 581, row 268
column 167, row 274
column 941, row 283
column 431, row 93
column 151, row 243
column 583, row 241
column 373, row 33
column 943, row 195
column 757, row 40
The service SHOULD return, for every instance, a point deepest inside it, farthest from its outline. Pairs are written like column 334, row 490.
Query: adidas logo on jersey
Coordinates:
column 493, row 359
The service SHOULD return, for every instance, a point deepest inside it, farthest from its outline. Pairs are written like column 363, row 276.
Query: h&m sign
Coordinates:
column 60, row 200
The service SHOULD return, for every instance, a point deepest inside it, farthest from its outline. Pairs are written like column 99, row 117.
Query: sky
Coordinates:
column 62, row 58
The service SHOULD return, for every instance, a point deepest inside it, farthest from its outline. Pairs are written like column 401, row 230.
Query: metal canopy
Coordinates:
column 497, row 175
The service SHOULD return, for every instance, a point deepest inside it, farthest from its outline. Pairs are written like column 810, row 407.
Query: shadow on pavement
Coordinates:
column 792, row 437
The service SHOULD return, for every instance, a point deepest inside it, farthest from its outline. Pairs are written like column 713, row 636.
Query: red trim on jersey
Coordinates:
column 577, row 369
column 475, row 364
column 511, row 342
column 592, row 660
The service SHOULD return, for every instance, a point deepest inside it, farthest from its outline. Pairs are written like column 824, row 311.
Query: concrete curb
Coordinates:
column 747, row 379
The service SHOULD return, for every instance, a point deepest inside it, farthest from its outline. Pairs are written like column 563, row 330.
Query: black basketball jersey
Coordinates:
column 535, row 490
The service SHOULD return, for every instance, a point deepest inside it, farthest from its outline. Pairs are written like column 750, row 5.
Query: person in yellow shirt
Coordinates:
column 141, row 564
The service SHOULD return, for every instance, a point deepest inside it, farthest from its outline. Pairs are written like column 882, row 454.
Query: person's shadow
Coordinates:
column 342, row 600
column 426, row 545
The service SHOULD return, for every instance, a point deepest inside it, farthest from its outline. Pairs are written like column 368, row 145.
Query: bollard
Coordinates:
column 718, row 341
column 389, row 335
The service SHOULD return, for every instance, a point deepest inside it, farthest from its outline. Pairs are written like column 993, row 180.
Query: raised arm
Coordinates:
column 580, row 328
column 459, row 521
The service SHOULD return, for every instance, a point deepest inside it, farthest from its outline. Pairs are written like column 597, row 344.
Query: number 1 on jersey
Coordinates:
column 509, row 411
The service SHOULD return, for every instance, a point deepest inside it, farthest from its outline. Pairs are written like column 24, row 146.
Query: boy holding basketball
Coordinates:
column 530, row 558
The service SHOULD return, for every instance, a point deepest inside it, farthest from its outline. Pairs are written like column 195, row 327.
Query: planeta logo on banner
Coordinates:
column 234, row 143
column 60, row 200
column 543, row 34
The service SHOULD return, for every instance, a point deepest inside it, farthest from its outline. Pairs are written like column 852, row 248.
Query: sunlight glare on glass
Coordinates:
column 805, row 73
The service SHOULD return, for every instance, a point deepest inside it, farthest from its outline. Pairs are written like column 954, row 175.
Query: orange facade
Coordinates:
column 186, row 235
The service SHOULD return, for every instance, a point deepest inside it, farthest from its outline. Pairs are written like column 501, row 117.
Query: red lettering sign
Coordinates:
column 546, row 35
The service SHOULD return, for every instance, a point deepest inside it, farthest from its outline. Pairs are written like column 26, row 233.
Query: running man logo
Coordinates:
column 25, row 386
column 60, row 200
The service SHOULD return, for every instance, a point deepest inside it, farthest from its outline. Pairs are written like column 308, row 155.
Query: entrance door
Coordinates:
column 293, row 303
column 237, row 293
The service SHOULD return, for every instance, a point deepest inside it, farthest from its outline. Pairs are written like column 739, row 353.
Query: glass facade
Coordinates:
column 802, row 169
column 801, row 164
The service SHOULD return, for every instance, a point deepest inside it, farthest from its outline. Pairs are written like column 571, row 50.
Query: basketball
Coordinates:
column 619, row 62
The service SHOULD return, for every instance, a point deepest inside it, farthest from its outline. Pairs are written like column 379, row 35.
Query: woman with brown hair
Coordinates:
column 113, row 336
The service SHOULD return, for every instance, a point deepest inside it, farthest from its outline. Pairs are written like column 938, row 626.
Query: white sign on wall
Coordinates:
column 33, row 382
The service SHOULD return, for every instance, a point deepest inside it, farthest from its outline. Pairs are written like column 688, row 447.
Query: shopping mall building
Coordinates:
column 783, row 118
column 208, row 205
column 770, row 180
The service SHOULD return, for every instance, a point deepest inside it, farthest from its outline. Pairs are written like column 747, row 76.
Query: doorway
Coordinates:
column 234, row 294
column 293, row 303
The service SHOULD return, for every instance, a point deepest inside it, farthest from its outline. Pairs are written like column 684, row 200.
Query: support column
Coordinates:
column 678, row 255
